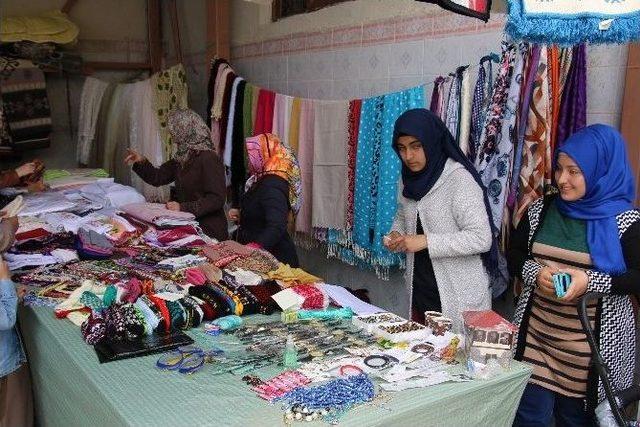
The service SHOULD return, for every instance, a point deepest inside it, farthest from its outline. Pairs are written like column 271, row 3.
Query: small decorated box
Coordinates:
column 488, row 336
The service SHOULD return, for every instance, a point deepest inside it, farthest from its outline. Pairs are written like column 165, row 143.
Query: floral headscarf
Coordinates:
column 267, row 155
column 189, row 132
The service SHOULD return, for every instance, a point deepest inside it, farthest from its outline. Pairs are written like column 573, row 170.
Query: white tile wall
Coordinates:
column 356, row 72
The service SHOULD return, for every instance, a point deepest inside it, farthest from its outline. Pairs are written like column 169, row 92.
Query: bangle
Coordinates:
column 354, row 370
column 164, row 311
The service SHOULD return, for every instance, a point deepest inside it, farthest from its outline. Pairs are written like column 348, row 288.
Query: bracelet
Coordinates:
column 354, row 370
column 164, row 310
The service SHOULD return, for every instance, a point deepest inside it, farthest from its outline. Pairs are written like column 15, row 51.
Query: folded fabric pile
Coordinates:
column 287, row 276
column 52, row 26
column 92, row 245
column 158, row 215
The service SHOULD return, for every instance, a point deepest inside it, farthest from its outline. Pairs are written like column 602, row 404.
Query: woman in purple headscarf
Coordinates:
column 591, row 232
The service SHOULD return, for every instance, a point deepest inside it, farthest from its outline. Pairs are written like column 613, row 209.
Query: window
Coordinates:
column 286, row 8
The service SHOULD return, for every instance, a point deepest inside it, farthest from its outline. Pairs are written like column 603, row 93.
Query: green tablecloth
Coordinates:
column 71, row 388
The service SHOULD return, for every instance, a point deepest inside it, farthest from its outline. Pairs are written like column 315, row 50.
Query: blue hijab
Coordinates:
column 600, row 152
column 439, row 145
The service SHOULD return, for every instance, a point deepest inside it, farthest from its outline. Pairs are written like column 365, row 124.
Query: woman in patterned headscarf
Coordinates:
column 197, row 171
column 272, row 190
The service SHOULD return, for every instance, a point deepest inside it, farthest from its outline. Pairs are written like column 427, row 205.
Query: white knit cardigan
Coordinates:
column 456, row 224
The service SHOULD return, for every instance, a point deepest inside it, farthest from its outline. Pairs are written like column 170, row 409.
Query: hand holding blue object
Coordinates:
column 561, row 281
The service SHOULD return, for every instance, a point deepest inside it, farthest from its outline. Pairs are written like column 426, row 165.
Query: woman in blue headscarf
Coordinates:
column 591, row 232
column 442, row 221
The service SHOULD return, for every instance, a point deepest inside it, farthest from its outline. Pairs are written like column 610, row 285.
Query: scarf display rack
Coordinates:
column 507, row 125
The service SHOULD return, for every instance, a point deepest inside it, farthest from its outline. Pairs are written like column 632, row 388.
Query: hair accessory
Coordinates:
column 423, row 348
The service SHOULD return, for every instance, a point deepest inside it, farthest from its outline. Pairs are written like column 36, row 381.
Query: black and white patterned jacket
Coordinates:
column 615, row 315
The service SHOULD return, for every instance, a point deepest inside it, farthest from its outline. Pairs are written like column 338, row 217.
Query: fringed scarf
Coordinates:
column 377, row 175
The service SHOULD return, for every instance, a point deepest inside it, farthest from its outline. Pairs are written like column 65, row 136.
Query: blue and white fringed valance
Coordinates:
column 569, row 22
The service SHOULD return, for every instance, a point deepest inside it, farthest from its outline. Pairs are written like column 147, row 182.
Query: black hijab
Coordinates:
column 439, row 145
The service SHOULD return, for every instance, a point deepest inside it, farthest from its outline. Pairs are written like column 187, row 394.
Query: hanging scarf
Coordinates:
column 452, row 115
column 305, row 157
column 465, row 112
column 573, row 107
column 494, row 158
column 90, row 99
column 554, row 91
column 226, row 106
column 377, row 174
column 145, row 139
column 255, row 97
column 355, row 108
column 437, row 96
column 600, row 152
column 211, row 85
column 264, row 113
column 228, row 146
column 484, row 84
column 532, row 69
column 190, row 134
column 221, row 80
column 170, row 94
column 330, row 164
column 439, row 146
column 294, row 125
column 535, row 173
column 247, row 117
column 269, row 156
column 238, row 170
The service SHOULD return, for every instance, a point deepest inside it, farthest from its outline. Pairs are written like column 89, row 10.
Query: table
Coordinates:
column 71, row 388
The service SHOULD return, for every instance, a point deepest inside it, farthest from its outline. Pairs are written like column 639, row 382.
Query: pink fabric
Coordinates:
column 195, row 276
column 305, row 160
column 149, row 212
column 254, row 245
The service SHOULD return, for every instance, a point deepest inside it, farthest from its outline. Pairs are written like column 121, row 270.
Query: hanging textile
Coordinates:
column 228, row 146
column 216, row 108
column 355, row 108
column 437, row 97
column 211, row 85
column 264, row 112
column 377, row 174
column 25, row 104
column 247, row 117
column 111, row 126
column 170, row 87
column 90, row 99
column 294, row 125
column 117, row 134
column 305, row 160
column 221, row 80
column 574, row 22
column 330, row 164
column 532, row 71
column 573, row 107
column 238, row 170
column 494, row 157
column 464, row 124
column 452, row 111
column 144, row 137
column 553, row 54
column 226, row 106
column 97, row 150
column 282, row 116
column 481, row 98
column 536, row 160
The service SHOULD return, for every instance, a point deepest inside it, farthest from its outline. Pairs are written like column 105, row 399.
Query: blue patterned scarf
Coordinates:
column 377, row 174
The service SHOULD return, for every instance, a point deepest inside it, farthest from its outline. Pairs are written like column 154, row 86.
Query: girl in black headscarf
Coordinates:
column 443, row 221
